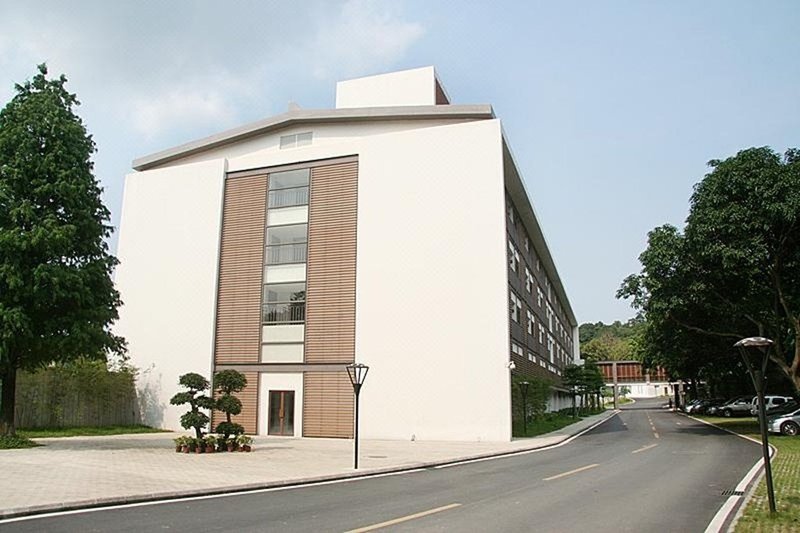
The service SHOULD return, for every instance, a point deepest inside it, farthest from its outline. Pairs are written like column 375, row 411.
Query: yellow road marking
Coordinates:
column 404, row 518
column 643, row 448
column 581, row 469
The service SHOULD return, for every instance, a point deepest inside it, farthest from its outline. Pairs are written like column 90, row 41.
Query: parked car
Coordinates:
column 785, row 423
column 737, row 407
column 688, row 406
column 704, row 406
column 788, row 407
column 770, row 402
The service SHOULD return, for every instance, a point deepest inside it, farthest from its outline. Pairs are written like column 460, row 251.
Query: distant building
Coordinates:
column 393, row 230
column 642, row 383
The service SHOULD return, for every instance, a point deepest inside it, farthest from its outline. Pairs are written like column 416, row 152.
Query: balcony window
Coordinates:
column 284, row 303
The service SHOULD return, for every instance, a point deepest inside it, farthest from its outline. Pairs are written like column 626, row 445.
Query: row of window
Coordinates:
column 554, row 350
column 284, row 301
column 516, row 349
column 515, row 263
column 530, row 282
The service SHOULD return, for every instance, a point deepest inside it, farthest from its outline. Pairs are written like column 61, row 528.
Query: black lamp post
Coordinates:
column 523, row 388
column 750, row 348
column 574, row 390
column 357, row 374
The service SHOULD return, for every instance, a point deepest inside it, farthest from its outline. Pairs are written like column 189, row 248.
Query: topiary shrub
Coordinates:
column 227, row 382
column 194, row 419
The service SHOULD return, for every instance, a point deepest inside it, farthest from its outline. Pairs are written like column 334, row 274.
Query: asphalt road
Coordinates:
column 645, row 469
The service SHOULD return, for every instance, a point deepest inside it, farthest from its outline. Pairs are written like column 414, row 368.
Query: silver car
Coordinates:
column 786, row 423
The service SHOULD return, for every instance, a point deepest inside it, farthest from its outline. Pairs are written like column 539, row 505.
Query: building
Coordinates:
column 641, row 382
column 392, row 230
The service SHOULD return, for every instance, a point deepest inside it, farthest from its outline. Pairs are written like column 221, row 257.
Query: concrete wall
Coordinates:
column 168, row 252
column 432, row 317
column 407, row 87
column 326, row 138
column 431, row 302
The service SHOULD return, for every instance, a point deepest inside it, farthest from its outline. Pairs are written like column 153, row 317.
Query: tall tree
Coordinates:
column 57, row 300
column 735, row 270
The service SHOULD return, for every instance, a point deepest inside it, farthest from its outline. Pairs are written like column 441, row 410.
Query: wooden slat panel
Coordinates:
column 331, row 274
column 327, row 405
column 238, row 326
column 249, row 398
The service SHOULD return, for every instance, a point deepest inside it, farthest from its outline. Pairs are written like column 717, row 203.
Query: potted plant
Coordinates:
column 211, row 443
column 199, row 445
column 178, row 443
column 231, row 443
column 188, row 445
column 244, row 442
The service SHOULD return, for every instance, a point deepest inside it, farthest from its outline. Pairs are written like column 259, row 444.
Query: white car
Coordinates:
column 770, row 402
column 786, row 423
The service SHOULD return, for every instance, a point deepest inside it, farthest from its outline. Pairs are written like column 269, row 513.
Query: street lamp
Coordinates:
column 523, row 387
column 357, row 374
column 750, row 348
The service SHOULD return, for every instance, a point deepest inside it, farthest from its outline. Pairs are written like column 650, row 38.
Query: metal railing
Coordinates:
column 284, row 313
column 287, row 253
column 288, row 197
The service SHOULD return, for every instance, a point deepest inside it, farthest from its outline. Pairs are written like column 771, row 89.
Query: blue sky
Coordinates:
column 612, row 107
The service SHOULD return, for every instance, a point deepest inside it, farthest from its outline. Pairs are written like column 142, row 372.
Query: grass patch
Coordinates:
column 87, row 431
column 785, row 477
column 548, row 422
column 10, row 443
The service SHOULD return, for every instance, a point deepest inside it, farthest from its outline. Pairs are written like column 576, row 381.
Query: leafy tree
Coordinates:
column 226, row 382
column 586, row 381
column 734, row 272
column 194, row 418
column 57, row 299
column 610, row 342
column 593, row 383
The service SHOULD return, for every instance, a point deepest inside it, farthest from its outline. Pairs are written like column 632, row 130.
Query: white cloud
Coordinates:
column 179, row 105
column 366, row 35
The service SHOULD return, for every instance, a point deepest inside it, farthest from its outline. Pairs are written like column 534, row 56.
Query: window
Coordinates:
column 528, row 281
column 513, row 257
column 527, row 244
column 539, row 296
column 541, row 333
column 516, row 307
column 549, row 314
column 287, row 244
column 531, row 357
column 517, row 349
column 284, row 303
column 550, row 346
column 295, row 140
column 510, row 214
column 287, row 189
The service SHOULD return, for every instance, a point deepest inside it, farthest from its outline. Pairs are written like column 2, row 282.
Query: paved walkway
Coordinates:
column 79, row 472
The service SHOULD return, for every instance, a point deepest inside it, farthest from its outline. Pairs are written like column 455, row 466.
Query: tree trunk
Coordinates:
column 795, row 368
column 7, row 403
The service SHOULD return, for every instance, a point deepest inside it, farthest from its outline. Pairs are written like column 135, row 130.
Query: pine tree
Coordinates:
column 57, row 300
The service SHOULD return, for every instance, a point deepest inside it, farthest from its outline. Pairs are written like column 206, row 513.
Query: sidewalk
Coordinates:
column 82, row 472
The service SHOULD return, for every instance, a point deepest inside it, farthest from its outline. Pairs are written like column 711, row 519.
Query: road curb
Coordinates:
column 725, row 519
column 100, row 503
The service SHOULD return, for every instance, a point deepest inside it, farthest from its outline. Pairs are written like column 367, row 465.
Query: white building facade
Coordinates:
column 376, row 232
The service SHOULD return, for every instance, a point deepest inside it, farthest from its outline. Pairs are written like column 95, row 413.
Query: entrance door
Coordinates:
column 281, row 412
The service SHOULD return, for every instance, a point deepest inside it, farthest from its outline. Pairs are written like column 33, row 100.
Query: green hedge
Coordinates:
column 83, row 393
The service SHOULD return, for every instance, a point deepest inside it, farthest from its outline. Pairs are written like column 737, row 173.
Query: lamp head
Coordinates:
column 357, row 373
column 754, row 342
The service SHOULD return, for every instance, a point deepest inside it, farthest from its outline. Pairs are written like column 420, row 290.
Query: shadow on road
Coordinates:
column 698, row 430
